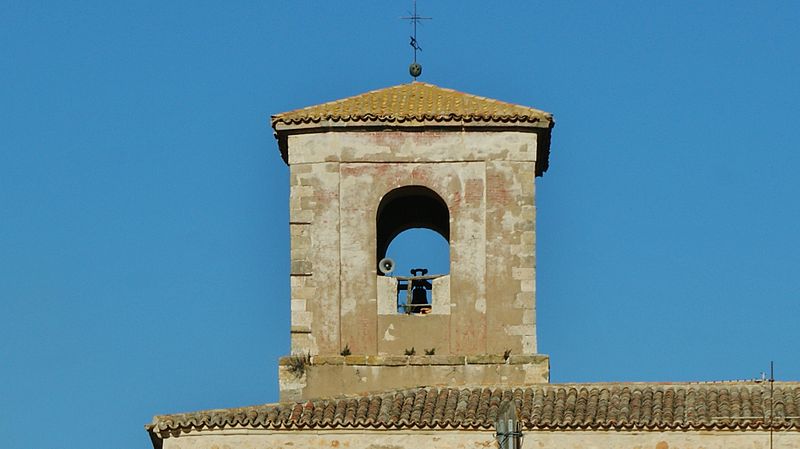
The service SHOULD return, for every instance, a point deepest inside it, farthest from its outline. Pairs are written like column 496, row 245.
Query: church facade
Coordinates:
column 403, row 360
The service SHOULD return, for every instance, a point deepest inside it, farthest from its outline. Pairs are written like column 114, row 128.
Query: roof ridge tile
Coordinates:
column 416, row 101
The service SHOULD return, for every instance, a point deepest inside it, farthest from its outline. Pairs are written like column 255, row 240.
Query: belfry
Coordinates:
column 366, row 168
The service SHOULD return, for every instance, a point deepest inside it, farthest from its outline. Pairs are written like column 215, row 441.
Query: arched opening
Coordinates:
column 410, row 207
column 413, row 229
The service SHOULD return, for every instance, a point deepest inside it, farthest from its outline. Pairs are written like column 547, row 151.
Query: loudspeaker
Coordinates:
column 386, row 265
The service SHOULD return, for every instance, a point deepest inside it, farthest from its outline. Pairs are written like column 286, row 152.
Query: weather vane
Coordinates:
column 415, row 69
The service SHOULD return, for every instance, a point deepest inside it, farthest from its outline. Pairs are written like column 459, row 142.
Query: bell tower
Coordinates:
column 365, row 168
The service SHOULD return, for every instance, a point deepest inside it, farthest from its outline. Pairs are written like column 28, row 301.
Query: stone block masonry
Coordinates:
column 332, row 376
column 486, row 179
column 484, row 305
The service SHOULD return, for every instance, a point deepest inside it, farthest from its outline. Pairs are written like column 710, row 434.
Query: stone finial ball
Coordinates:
column 415, row 69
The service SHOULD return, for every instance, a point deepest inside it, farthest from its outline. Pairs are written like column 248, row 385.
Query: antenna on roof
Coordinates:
column 771, row 399
column 767, row 417
column 415, row 69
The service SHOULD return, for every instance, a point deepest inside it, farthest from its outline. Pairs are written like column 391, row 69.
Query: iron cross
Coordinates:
column 414, row 18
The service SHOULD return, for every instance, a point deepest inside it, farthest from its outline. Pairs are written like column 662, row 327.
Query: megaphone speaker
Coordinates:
column 386, row 265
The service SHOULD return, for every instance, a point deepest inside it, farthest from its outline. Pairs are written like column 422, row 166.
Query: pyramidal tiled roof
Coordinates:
column 747, row 405
column 414, row 103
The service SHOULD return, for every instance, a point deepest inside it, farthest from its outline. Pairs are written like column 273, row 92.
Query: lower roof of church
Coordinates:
column 740, row 405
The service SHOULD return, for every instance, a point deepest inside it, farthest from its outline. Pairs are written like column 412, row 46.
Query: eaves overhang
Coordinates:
column 416, row 107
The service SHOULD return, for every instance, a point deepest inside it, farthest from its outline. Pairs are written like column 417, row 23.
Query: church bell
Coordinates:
column 419, row 291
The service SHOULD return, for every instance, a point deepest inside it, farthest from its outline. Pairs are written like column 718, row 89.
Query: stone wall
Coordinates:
column 313, row 213
column 333, row 376
column 486, row 178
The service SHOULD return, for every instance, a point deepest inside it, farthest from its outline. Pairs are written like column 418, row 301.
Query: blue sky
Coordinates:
column 143, row 203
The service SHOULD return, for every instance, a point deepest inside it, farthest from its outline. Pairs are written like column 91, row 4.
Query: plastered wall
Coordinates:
column 486, row 178
column 454, row 439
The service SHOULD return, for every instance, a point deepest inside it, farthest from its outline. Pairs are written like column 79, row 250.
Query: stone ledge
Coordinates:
column 487, row 359
column 327, row 360
column 436, row 360
column 524, row 359
column 328, row 376
column 355, row 360
column 419, row 360
column 387, row 360
column 287, row 360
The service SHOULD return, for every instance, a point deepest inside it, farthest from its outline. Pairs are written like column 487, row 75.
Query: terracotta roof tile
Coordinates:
column 687, row 406
column 417, row 105
column 414, row 103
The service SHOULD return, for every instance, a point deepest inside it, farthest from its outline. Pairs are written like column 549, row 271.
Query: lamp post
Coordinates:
column 507, row 428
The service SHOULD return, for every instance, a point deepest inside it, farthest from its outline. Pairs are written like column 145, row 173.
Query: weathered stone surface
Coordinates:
column 485, row 359
column 355, row 360
column 301, row 267
column 404, row 146
column 363, row 374
column 387, row 360
column 292, row 384
column 327, row 360
column 445, row 359
column 400, row 332
column 521, row 359
column 314, row 209
column 440, row 296
column 484, row 305
column 436, row 360
column 387, row 295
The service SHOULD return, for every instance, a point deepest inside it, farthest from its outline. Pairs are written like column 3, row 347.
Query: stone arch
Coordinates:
column 409, row 207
